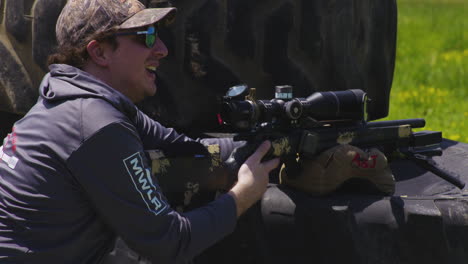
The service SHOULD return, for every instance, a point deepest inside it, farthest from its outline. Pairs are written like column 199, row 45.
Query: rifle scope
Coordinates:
column 243, row 112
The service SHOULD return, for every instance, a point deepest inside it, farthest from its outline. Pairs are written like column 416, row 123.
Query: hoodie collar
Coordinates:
column 65, row 82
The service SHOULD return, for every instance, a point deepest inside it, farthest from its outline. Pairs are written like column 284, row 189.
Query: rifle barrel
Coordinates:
column 414, row 123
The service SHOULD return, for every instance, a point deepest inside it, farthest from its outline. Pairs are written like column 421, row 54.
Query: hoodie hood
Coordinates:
column 65, row 82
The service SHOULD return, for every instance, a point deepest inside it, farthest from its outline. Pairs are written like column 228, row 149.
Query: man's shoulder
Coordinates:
column 98, row 113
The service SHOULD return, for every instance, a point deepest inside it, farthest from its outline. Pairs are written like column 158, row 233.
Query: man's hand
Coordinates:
column 252, row 179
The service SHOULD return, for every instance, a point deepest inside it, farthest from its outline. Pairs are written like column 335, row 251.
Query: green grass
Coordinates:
column 431, row 70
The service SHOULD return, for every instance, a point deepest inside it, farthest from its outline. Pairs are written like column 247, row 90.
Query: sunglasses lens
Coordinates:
column 151, row 37
column 150, row 40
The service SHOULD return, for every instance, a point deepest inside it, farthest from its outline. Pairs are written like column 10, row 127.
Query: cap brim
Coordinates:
column 149, row 16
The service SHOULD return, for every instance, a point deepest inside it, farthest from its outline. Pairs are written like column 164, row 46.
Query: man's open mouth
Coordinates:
column 151, row 69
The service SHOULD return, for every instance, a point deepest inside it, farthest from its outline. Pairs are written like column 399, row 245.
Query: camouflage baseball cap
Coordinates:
column 80, row 19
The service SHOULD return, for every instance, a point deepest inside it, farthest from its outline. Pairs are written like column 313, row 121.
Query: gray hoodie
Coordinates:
column 73, row 177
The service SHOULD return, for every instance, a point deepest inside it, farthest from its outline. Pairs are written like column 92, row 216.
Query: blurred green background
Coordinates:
column 431, row 71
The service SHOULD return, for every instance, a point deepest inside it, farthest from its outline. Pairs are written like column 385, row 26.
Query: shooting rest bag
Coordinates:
column 332, row 168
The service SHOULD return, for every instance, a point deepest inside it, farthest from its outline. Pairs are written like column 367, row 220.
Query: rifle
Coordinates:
column 304, row 127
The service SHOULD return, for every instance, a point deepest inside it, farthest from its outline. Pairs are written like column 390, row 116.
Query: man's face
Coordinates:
column 133, row 65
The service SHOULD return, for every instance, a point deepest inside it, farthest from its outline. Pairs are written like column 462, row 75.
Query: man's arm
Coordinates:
column 153, row 135
column 117, row 180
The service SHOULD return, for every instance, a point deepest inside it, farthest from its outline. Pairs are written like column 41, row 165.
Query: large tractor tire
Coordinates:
column 424, row 221
column 27, row 37
column 313, row 45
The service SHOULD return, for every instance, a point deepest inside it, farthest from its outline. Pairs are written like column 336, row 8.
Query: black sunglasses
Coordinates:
column 151, row 35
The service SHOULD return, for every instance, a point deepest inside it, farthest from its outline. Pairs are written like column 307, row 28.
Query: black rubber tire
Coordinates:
column 26, row 39
column 312, row 45
column 424, row 221
column 214, row 44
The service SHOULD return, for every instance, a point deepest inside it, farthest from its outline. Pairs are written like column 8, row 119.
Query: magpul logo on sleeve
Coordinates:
column 141, row 178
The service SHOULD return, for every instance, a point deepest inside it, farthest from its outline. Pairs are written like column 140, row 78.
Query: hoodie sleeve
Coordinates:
column 155, row 136
column 116, row 177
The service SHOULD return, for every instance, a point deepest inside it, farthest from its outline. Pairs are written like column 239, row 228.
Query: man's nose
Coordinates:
column 160, row 49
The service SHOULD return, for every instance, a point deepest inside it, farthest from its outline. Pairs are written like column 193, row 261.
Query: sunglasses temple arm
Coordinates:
column 132, row 33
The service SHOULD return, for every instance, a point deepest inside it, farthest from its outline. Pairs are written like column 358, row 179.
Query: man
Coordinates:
column 73, row 174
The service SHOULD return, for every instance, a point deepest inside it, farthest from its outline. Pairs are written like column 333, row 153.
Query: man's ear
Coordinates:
column 97, row 53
